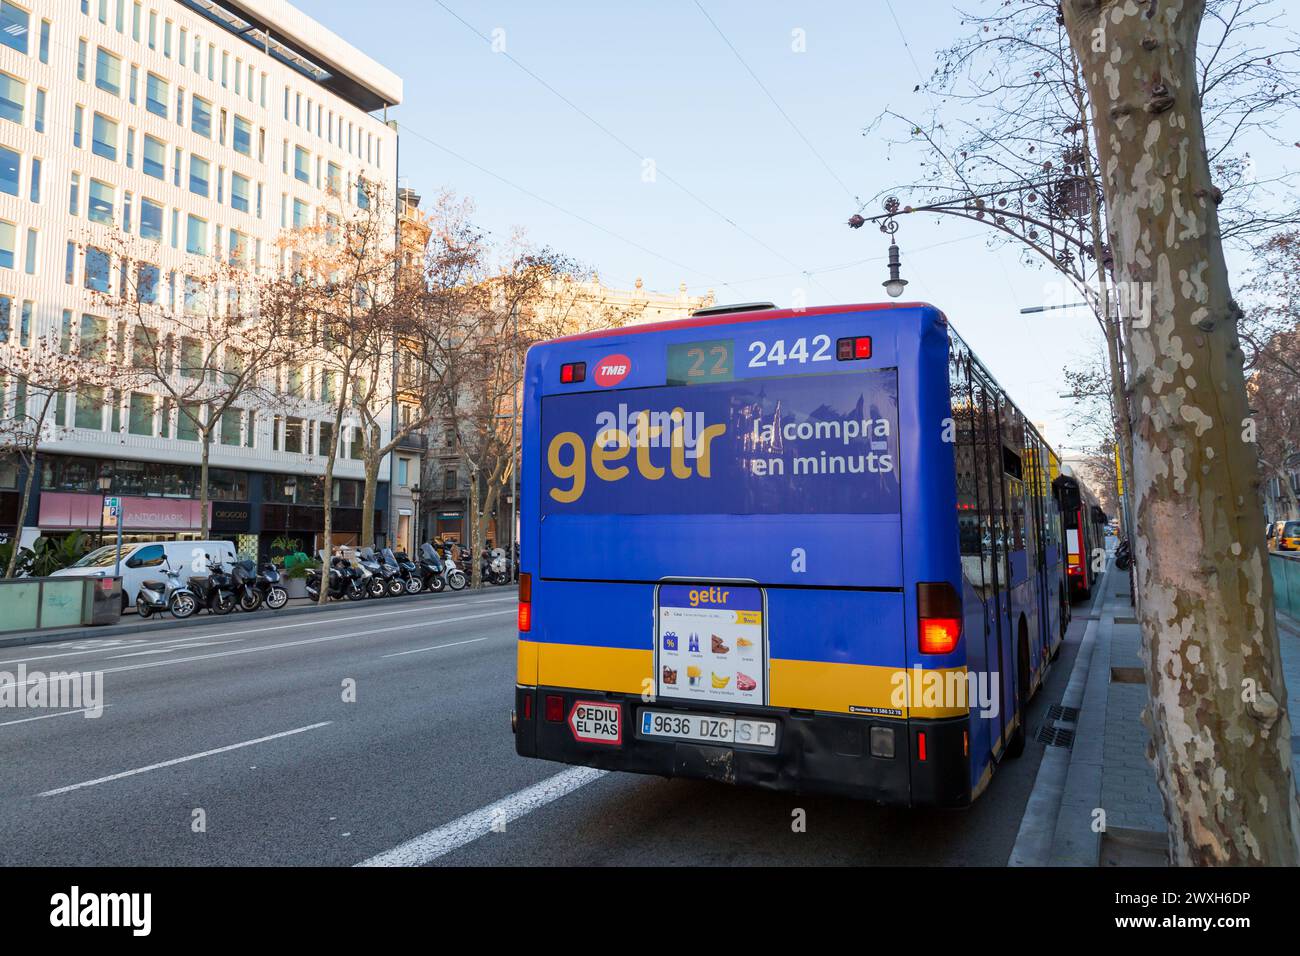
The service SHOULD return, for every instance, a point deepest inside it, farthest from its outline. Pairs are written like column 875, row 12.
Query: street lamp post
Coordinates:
column 895, row 284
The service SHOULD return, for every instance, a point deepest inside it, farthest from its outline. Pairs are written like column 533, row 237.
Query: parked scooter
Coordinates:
column 344, row 581
column 274, row 594
column 376, row 580
column 412, row 580
column 216, row 592
column 1123, row 557
column 431, row 569
column 456, row 579
column 244, row 576
column 392, row 571
column 492, row 567
column 172, row 595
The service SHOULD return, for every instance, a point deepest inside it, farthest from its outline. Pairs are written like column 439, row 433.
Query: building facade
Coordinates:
column 444, row 497
column 199, row 129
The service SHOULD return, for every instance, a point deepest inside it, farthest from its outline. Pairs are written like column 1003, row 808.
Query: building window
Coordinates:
column 101, row 202
column 103, row 141
column 140, row 416
column 74, row 196
column 133, row 85
column 97, row 269
column 45, row 41
column 301, row 165
column 201, row 116
column 90, row 408
column 13, row 27
column 29, row 263
column 147, row 279
column 243, row 136
column 293, row 431
column 156, row 94
column 151, row 220
column 40, row 111
column 13, row 97
column 35, row 189
column 199, row 172
column 108, row 71
column 239, row 192
column 70, row 268
column 6, row 245
column 155, row 158
column 81, row 59
column 9, row 172
column 196, row 235
column 78, row 118
column 301, row 214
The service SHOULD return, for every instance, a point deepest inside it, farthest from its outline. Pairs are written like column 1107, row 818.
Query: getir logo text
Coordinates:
column 687, row 436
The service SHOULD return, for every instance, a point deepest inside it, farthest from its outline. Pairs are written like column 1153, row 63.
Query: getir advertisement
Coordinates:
column 810, row 444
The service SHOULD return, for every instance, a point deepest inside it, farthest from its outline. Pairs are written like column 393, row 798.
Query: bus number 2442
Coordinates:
column 762, row 354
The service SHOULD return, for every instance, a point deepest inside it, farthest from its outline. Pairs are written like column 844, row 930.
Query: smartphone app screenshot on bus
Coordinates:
column 710, row 643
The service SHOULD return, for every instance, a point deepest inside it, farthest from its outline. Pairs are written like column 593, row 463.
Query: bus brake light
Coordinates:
column 938, row 611
column 525, row 602
column 859, row 347
column 571, row 372
column 939, row 635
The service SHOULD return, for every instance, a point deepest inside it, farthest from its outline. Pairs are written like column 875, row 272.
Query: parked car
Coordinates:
column 142, row 561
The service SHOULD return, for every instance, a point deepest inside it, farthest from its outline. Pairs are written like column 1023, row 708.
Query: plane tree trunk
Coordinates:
column 1220, row 730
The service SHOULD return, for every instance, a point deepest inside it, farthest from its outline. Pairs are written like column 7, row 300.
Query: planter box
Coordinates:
column 297, row 587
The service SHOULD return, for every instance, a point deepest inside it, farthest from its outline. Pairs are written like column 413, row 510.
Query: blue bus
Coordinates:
column 815, row 550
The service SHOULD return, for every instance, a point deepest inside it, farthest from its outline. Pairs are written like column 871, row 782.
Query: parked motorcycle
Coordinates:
column 344, row 581
column 217, row 591
column 456, row 579
column 412, row 580
column 244, row 576
column 376, row 578
column 431, row 569
column 267, row 585
column 1123, row 556
column 172, row 595
column 394, row 580
column 492, row 567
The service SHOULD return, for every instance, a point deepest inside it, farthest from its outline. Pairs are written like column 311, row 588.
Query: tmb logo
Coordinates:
column 612, row 369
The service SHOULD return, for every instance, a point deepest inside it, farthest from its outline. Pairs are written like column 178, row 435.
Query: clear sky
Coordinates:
column 740, row 203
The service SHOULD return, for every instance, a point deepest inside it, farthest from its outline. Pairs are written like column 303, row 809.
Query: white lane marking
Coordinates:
column 429, row 846
column 64, row 713
column 260, row 630
column 177, row 647
column 271, row 647
column 171, row 763
column 420, row 650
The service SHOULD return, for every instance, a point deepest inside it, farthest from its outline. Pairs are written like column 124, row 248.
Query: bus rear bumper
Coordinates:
column 816, row 753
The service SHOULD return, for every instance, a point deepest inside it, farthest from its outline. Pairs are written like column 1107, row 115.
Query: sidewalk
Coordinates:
column 1109, row 770
column 132, row 623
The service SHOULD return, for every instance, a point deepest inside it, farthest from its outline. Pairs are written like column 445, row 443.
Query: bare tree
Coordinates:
column 1220, row 730
column 340, row 282
column 207, row 340
column 1010, row 145
column 44, row 370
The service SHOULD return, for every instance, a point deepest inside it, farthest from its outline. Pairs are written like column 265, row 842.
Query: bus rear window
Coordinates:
column 809, row 444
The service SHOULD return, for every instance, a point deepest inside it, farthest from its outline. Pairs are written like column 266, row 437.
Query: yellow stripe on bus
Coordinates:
column 860, row 688
column 807, row 685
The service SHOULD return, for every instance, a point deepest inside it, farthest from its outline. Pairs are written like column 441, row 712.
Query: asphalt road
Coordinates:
column 234, row 744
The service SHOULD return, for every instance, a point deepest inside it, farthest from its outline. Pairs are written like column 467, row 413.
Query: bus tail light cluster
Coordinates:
column 525, row 602
column 938, row 610
column 555, row 708
column 571, row 372
column 855, row 347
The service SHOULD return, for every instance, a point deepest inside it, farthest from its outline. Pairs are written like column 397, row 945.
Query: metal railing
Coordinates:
column 1285, row 568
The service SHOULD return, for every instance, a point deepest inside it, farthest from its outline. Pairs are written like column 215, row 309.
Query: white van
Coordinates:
column 141, row 562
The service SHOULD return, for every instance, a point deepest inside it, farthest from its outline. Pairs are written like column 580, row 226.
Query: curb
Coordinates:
column 138, row 627
column 1038, row 835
